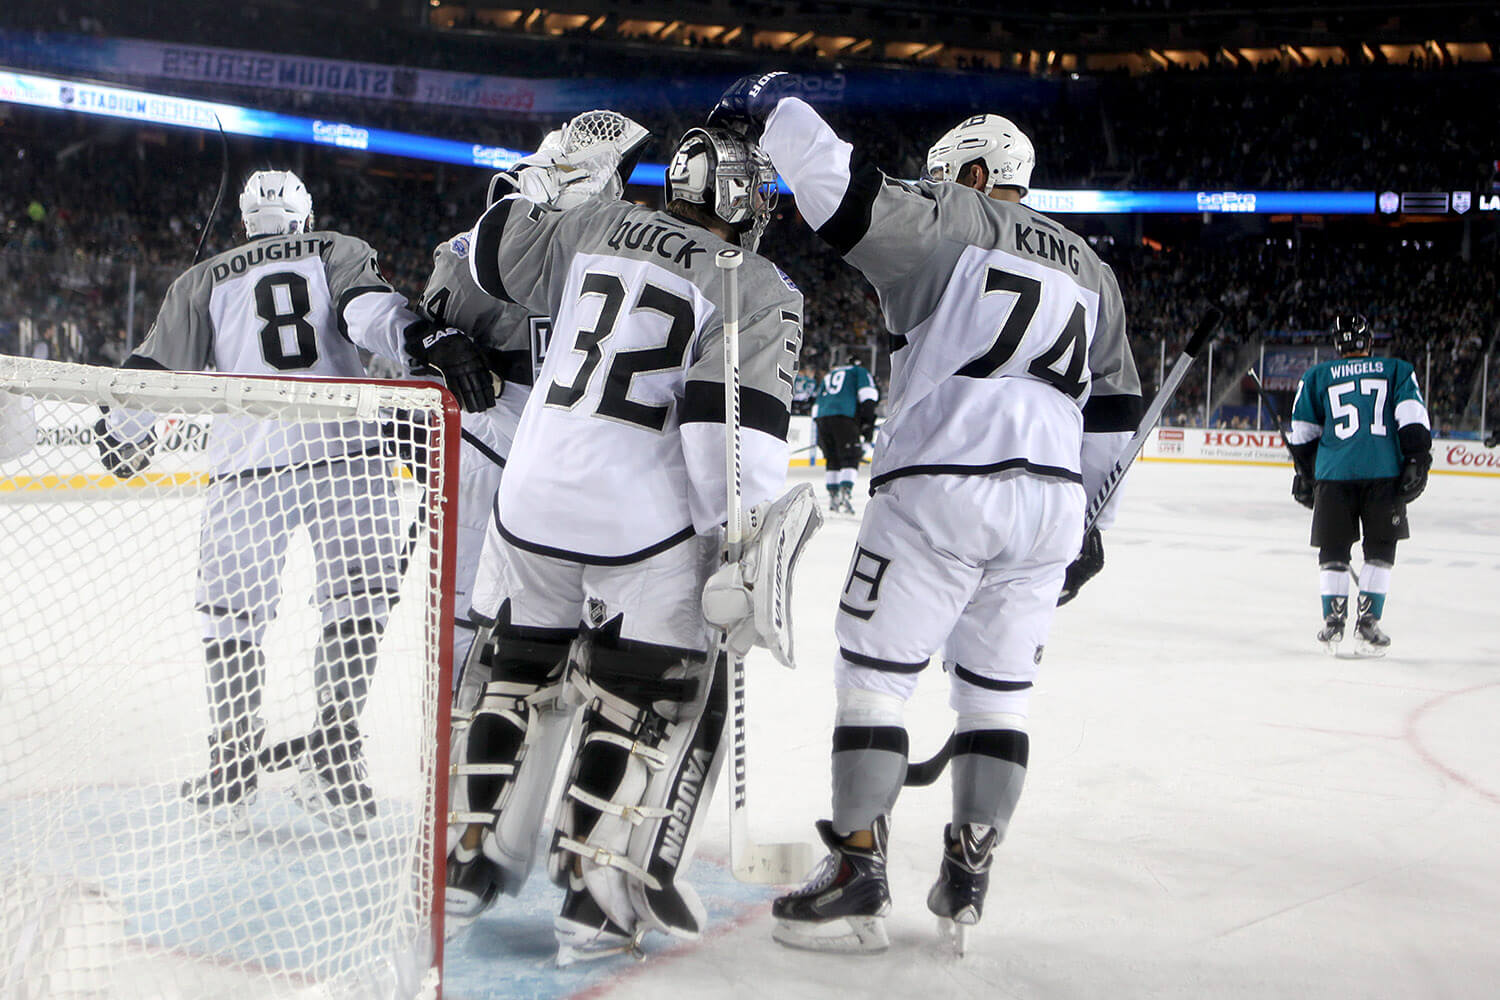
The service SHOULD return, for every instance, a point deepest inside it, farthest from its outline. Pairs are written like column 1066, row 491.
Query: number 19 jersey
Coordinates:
column 296, row 305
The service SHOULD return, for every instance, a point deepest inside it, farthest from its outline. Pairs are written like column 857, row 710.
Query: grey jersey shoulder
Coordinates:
column 453, row 299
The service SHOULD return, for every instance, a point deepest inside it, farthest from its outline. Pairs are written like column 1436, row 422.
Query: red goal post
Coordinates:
column 275, row 511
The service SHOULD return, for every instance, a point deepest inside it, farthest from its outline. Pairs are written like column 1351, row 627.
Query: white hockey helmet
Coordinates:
column 275, row 202
column 1005, row 151
column 729, row 176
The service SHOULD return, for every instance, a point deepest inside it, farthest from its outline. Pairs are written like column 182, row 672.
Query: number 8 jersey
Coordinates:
column 301, row 304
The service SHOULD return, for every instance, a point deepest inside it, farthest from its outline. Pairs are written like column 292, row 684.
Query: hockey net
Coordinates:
column 303, row 525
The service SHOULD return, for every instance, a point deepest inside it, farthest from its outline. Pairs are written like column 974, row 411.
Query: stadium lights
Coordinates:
column 182, row 112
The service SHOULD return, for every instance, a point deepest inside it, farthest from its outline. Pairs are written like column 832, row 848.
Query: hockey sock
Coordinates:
column 1333, row 579
column 989, row 769
column 345, row 662
column 1374, row 581
column 236, row 671
column 846, row 478
column 870, row 749
column 831, row 480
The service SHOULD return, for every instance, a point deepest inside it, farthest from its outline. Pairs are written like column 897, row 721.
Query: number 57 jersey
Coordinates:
column 620, row 452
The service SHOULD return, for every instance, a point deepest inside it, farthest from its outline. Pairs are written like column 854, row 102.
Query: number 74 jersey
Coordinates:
column 1353, row 408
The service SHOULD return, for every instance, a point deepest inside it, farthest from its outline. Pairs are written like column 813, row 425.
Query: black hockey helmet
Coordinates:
column 1351, row 334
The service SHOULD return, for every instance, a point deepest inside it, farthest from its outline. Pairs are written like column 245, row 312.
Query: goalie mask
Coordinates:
column 1351, row 334
column 275, row 202
column 729, row 176
column 1006, row 153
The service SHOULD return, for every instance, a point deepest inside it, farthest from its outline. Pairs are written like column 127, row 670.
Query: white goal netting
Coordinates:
column 223, row 686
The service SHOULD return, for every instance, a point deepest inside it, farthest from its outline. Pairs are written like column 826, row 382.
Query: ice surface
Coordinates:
column 1215, row 808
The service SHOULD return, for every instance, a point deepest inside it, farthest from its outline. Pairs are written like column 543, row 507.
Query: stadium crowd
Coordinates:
column 91, row 209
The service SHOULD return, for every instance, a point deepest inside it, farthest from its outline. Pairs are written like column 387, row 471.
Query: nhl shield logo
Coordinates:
column 1461, row 201
column 598, row 613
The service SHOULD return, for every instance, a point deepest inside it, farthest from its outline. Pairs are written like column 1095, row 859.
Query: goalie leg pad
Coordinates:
column 646, row 763
column 508, row 750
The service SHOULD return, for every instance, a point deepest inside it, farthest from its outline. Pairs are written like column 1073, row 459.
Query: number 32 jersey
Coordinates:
column 1007, row 331
column 301, row 304
column 620, row 452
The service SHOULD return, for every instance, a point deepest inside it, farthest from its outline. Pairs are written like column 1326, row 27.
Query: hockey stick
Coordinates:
column 219, row 197
column 927, row 771
column 774, row 864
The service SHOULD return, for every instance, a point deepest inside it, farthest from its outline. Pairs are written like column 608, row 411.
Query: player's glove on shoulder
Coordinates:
column 1302, row 490
column 455, row 357
column 749, row 101
column 1413, row 476
column 1084, row 568
column 122, row 459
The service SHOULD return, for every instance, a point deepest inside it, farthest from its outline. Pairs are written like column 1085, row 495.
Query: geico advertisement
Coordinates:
column 1195, row 444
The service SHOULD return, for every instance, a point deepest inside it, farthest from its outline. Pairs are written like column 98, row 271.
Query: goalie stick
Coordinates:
column 774, row 864
column 927, row 771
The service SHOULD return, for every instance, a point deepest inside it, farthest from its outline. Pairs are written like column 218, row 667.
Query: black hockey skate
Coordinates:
column 1372, row 641
column 1332, row 633
column 843, row 905
column 224, row 794
column 333, row 781
column 957, row 897
column 585, row 934
column 474, row 882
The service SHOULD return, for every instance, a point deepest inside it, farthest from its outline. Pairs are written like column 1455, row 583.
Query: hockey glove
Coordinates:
column 751, row 600
column 1302, row 490
column 1083, row 569
column 453, row 356
column 749, row 101
column 867, row 420
column 123, row 459
column 1413, row 476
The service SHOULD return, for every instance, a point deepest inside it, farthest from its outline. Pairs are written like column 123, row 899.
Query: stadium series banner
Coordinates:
column 139, row 61
column 1224, row 446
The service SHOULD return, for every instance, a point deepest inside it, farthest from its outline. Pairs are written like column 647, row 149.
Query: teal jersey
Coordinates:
column 843, row 389
column 1353, row 408
column 804, row 386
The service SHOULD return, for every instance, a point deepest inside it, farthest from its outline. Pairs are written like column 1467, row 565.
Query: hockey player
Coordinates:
column 290, row 301
column 593, row 153
column 1362, row 444
column 1012, row 391
column 605, row 530
column 845, row 418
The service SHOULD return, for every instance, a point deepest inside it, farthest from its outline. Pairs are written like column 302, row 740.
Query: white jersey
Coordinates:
column 1008, row 332
column 620, row 452
column 297, row 305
